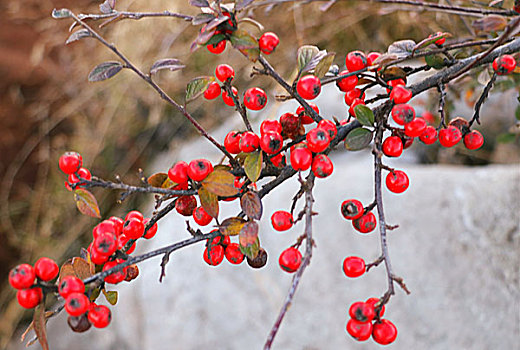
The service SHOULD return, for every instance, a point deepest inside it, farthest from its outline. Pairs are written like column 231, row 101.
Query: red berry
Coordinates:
column 281, row 220
column 353, row 94
column 415, row 128
column 132, row 272
column 357, row 101
column 353, row 266
column 134, row 214
column 362, row 312
column 428, row 117
column 352, row 209
column 371, row 57
column 271, row 142
column 397, row 181
column 440, row 41
column 213, row 91
column 118, row 224
column 69, row 285
column 29, row 298
column 290, row 125
column 429, row 135
column 178, row 173
column 301, row 158
column 198, row 169
column 322, row 166
column 121, row 243
column 106, row 243
column 201, row 217
column 355, row 61
column 185, row 205
column 504, row 64
column 365, row 223
column 329, row 126
column 224, row 72
column 249, row 142
column 133, row 228
column 46, row 269
column 270, row 126
column 97, row 258
column 304, row 118
column 70, row 162
column 83, row 174
column 393, row 146
column 403, row 113
column 360, row 331
column 114, row 277
column 348, row 83
column 22, row 276
column 220, row 240
column 215, row 255
column 268, row 42
column 395, row 82
column 373, row 302
column 473, row 140
column 105, row 226
column 384, row 332
column 233, row 254
column 308, row 87
column 317, row 140
column 255, row 99
column 99, row 315
column 450, row 136
column 232, row 142
column 278, row 160
column 76, row 304
column 228, row 99
column 400, row 94
column 290, row 259
column 217, row 48
column 152, row 230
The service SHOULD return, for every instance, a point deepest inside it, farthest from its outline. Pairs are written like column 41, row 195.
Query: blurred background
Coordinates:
column 119, row 126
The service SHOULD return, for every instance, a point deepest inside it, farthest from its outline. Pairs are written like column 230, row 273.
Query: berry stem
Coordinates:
column 481, row 99
column 238, row 106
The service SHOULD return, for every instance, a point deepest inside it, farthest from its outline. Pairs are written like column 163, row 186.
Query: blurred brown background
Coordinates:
column 47, row 106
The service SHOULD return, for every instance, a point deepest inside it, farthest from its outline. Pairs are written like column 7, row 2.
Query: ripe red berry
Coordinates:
column 290, row 259
column 70, row 162
column 365, row 223
column 271, row 142
column 232, row 142
column 77, row 304
column 373, row 302
column 46, row 269
column 308, row 87
column 450, row 136
column 215, row 255
column 400, row 94
column 504, row 64
column 228, row 99
column 362, row 312
column 301, row 158
column 393, row 83
column 352, row 209
column 118, row 224
column 217, row 48
column 290, row 125
column 317, row 140
column 329, row 126
column 255, row 99
column 440, row 41
column 268, row 42
column 122, row 240
column 360, row 331
column 270, row 126
column 136, row 214
column 233, row 253
column 397, row 181
column 322, row 166
column 106, row 243
column 249, row 142
column 213, row 91
column 304, row 118
column 278, row 160
column 415, row 128
column 281, row 220
column 133, row 228
column 473, row 140
column 353, row 266
column 114, row 277
column 224, row 72
column 352, row 95
column 30, row 297
column 371, row 57
column 99, row 315
column 69, row 285
column 403, row 113
column 348, row 83
column 201, row 217
column 393, row 146
column 185, row 205
column 355, row 61
column 384, row 332
column 178, row 173
column 429, row 135
column 22, row 276
column 105, row 226
column 97, row 258
column 357, row 101
column 220, row 240
column 198, row 169
column 152, row 230
column 83, row 174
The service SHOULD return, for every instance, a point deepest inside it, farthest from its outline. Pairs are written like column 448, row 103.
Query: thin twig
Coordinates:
column 482, row 98
column 442, row 102
column 238, row 106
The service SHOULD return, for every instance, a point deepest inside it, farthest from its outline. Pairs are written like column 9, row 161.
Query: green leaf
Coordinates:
column 220, row 182
column 209, row 202
column 251, row 205
column 358, row 139
column 39, row 323
column 364, row 115
column 308, row 57
column 246, row 44
column 248, row 240
column 435, row 61
column 253, row 165
column 62, row 13
column 110, row 296
column 86, row 203
column 324, row 64
column 430, row 40
column 197, row 86
column 104, row 71
column 216, row 38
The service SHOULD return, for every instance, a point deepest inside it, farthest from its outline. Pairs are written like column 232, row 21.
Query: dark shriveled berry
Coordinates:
column 79, row 324
column 259, row 261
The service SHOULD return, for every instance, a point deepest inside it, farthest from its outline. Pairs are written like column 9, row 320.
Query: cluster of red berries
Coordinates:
column 362, row 220
column 363, row 322
column 220, row 247
column 221, row 33
column 71, row 164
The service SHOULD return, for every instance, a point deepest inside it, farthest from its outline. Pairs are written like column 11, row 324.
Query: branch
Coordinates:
column 482, row 98
column 238, row 106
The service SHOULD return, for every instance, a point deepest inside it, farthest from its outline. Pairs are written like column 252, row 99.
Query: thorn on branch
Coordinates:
column 391, row 227
column 400, row 282
column 375, row 263
column 164, row 262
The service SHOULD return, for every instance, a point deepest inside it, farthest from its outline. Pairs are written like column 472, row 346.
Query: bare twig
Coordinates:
column 482, row 98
